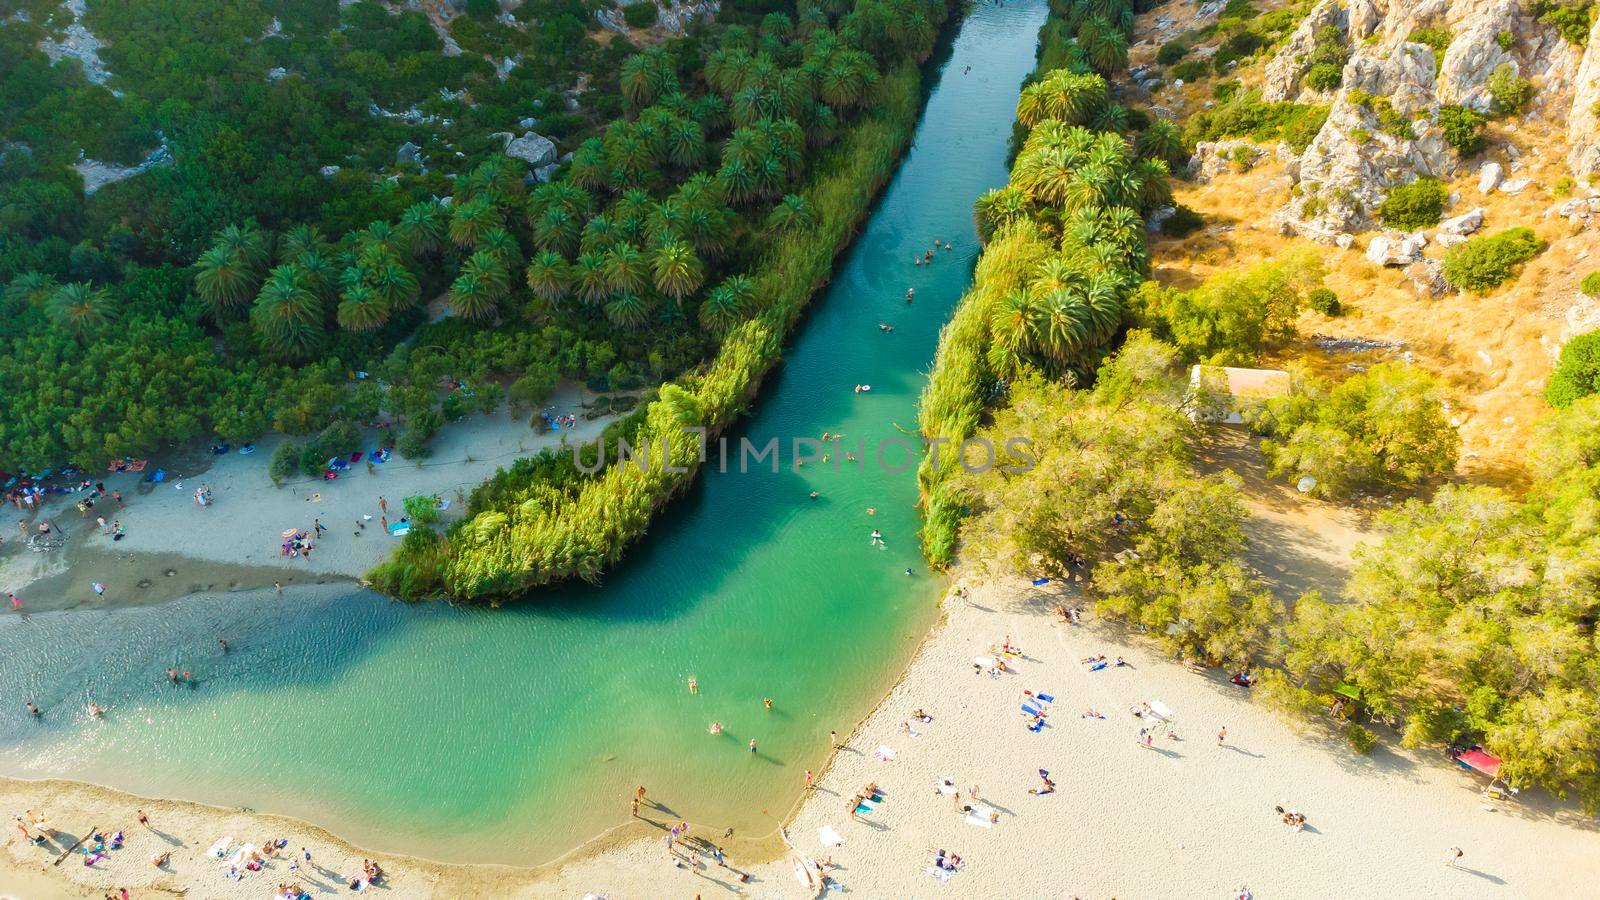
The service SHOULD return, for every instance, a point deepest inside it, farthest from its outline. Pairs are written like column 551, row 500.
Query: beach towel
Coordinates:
column 985, row 661
column 157, row 476
column 356, row 456
column 443, row 505
column 220, row 848
column 1037, row 726
column 884, row 753
column 863, row 808
column 979, row 816
column 1031, row 709
column 247, row 449
column 829, row 837
column 400, row 529
column 1045, row 697
column 1099, row 665
column 1040, row 581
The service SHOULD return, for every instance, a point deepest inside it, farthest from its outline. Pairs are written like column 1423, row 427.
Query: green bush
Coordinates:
column 1324, row 301
column 1247, row 115
column 1591, row 284
column 1324, row 77
column 1563, row 186
column 1360, row 738
column 1577, row 373
column 1462, row 127
column 412, row 444
column 1483, row 263
column 285, row 461
column 1437, row 39
column 483, row 9
column 1573, row 20
column 1508, row 92
column 1191, row 70
column 1171, row 52
column 1223, row 91
column 339, row 439
column 1419, row 204
column 1505, row 40
column 1183, row 222
column 640, row 15
column 422, row 508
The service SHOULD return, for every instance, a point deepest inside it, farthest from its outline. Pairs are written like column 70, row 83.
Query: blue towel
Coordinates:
column 1039, row 581
column 1030, row 710
column 1045, row 697
column 1098, row 666
column 1036, row 726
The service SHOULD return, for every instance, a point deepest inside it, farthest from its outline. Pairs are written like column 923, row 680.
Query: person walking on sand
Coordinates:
column 277, row 587
column 143, row 818
column 634, row 806
column 117, row 496
column 639, row 794
column 1454, row 859
column 383, row 504
column 1222, row 735
column 833, row 739
column 752, row 745
column 809, row 784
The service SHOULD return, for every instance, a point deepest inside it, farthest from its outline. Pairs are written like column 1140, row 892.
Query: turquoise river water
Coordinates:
column 514, row 735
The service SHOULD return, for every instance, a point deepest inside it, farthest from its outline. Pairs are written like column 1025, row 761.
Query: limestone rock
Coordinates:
column 533, row 149
column 328, row 171
column 545, row 173
column 1513, row 187
column 1474, row 52
column 1427, row 276
column 1394, row 248
column 1580, row 212
column 1489, row 176
column 1583, row 127
column 1212, row 158
column 1446, row 240
column 408, row 154
column 1293, row 60
column 1464, row 224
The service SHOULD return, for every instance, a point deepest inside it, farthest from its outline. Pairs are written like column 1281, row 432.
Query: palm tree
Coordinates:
column 361, row 309
column 678, row 271
column 1066, row 326
column 589, row 167
column 489, row 272
column 321, row 272
column 1155, row 188
column 224, row 281
column 589, row 279
column 381, row 233
column 469, row 221
column 599, row 234
column 1104, row 45
column 998, row 207
column 245, row 243
column 471, row 298
column 28, row 289
column 1110, row 117
column 549, row 276
column 708, row 229
column 721, row 309
column 1161, row 140
column 738, row 179
column 686, row 143
column 626, row 269
column 499, row 243
column 422, row 228
column 1072, row 98
column 287, row 314
column 791, row 214
column 81, row 307
column 299, row 240
column 1014, row 326
column 628, row 309
column 395, row 283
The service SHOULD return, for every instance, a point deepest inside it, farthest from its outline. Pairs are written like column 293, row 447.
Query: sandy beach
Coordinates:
column 1190, row 817
column 240, row 533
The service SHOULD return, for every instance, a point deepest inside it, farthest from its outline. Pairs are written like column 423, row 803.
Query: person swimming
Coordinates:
column 716, row 728
column 32, row 710
column 694, row 685
column 95, row 710
column 877, row 538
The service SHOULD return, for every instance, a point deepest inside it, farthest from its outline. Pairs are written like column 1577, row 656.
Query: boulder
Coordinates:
column 1464, row 224
column 1394, row 248
column 1512, row 187
column 1427, row 276
column 409, row 154
column 329, row 171
column 545, row 173
column 1446, row 240
column 533, row 149
column 1489, row 176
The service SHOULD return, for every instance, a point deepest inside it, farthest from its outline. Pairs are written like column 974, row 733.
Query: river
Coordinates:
column 514, row 735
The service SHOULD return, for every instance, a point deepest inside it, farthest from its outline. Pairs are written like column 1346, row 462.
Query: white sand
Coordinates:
column 1186, row 819
column 244, row 524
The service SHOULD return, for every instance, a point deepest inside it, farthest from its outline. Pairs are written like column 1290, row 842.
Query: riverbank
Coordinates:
column 238, row 537
column 1189, row 817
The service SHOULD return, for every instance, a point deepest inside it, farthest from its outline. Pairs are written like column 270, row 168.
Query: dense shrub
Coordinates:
column 1324, row 301
column 1508, row 92
column 1462, row 127
column 1485, row 262
column 1191, row 70
column 1577, row 372
column 285, row 461
column 1590, row 285
column 1572, row 19
column 1360, row 738
column 1419, row 204
column 1234, row 315
column 1172, row 51
column 1247, row 115
column 640, row 15
column 1324, row 77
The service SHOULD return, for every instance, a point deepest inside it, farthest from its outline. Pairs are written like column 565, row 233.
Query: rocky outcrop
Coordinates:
column 1490, row 174
column 1212, row 158
column 1427, row 277
column 1583, row 125
column 1474, row 53
column 1395, row 248
column 1285, row 70
column 1582, row 212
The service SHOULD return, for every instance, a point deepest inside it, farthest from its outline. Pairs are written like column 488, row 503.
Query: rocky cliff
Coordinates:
column 1385, row 127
